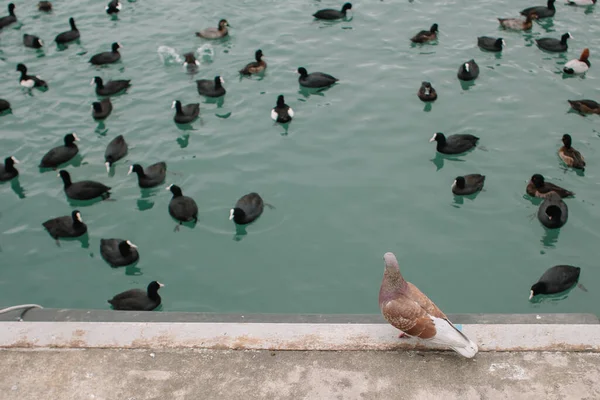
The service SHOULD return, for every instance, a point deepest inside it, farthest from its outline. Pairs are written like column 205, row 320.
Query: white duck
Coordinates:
column 405, row 307
column 578, row 66
column 581, row 2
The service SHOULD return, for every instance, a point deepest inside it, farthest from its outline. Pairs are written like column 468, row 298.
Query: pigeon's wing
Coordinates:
column 423, row 301
column 408, row 316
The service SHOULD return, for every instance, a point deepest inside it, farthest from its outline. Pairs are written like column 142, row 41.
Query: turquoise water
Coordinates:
column 354, row 176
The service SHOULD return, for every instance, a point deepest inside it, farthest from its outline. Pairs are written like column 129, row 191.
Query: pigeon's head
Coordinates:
column 391, row 265
column 537, row 288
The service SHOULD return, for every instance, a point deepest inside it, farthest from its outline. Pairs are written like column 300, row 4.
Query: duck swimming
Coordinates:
column 8, row 170
column 215, row 33
column 315, row 79
column 554, row 45
column 585, row 106
column 553, row 212
column 68, row 36
column 468, row 71
column 30, row 81
column 569, row 155
column 454, row 144
column 541, row 11
column 538, row 187
column 426, row 36
column 490, row 43
column 282, row 113
column 107, row 57
column 211, row 88
column 426, row 92
column 10, row 18
column 578, row 66
column 331, row 14
column 468, row 184
column 518, row 24
column 255, row 67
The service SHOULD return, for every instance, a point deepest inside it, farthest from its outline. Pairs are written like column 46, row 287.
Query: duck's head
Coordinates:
column 566, row 139
column 302, row 71
column 116, row 46
column 22, row 68
column 459, row 182
column 434, row 28
column 346, row 7
column 537, row 288
column 585, row 54
column 258, row 55
column 438, row 137
column 223, row 24
column 537, row 180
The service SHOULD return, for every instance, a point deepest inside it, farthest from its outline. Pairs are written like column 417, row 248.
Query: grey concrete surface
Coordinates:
column 110, row 374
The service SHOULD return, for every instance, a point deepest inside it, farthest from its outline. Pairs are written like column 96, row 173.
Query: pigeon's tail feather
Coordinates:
column 448, row 335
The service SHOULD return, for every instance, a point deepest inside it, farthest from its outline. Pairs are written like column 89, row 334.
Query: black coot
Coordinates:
column 152, row 176
column 68, row 36
column 211, row 88
column 107, row 57
column 116, row 149
column 490, row 43
column 111, row 87
column 554, row 45
column 553, row 212
column 118, row 252
column 61, row 154
column 247, row 209
column 282, row 113
column 45, row 6
column 185, row 114
column 315, row 79
column 10, row 18
column 454, row 144
column 4, row 105
column 468, row 71
column 113, row 7
column 137, row 299
column 468, row 184
column 555, row 280
column 32, row 41
column 182, row 208
column 66, row 227
column 540, row 11
column 101, row 109
column 8, row 170
column 331, row 14
column 83, row 190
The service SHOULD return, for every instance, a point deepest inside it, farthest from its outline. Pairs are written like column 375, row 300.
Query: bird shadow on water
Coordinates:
column 144, row 203
column 439, row 158
column 428, row 107
column 550, row 237
column 307, row 92
column 549, row 298
column 285, row 127
column 240, row 232
column 546, row 24
column 16, row 187
column 86, row 203
column 466, row 85
column 84, row 240
column 184, row 141
column 101, row 129
column 460, row 200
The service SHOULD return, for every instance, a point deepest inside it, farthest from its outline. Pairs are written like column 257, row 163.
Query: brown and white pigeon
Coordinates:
column 405, row 307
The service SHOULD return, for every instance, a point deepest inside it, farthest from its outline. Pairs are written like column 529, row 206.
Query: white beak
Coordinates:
column 453, row 184
column 76, row 137
column 221, row 79
column 15, row 160
column 530, row 294
column 107, row 166
column 467, row 67
column 503, row 42
column 433, row 138
column 78, row 215
column 197, row 62
column 231, row 214
column 173, row 105
column 120, row 45
column 131, row 244
column 160, row 284
column 130, row 169
column 92, row 82
column 169, row 187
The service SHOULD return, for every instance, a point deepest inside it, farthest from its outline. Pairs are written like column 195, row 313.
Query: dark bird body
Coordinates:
column 541, row 11
column 554, row 45
column 490, row 43
column 107, row 57
column 61, row 154
column 538, row 187
column 111, row 87
column 150, row 177
column 8, row 170
column 585, row 106
column 282, row 113
column 182, row 208
column 426, row 92
column 426, row 36
column 211, row 88
column 45, row 6
column 569, row 155
column 118, row 252
column 215, row 33
column 68, row 36
column 4, row 105
column 137, row 299
column 454, row 144
column 556, row 280
column 247, row 209
column 32, row 41
column 83, row 190
column 30, row 81
column 67, row 226
column 11, row 18
column 468, row 71
column 553, row 212
column 256, row 66
column 185, row 114
column 115, row 150
column 331, row 14
column 517, row 24
column 468, row 184
column 101, row 109
column 113, row 7
column 315, row 79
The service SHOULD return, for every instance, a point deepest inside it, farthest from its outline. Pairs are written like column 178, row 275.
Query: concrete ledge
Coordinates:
column 286, row 336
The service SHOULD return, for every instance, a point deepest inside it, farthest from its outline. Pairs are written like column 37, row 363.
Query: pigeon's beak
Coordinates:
column 530, row 294
column 231, row 214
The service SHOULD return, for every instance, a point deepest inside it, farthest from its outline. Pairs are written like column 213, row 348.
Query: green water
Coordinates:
column 354, row 177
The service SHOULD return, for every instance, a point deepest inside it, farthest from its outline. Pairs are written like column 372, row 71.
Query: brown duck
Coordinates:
column 538, row 187
column 585, row 106
column 569, row 155
column 517, row 24
column 426, row 36
column 405, row 307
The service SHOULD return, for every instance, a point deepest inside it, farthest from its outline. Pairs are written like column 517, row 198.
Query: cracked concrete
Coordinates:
column 181, row 374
